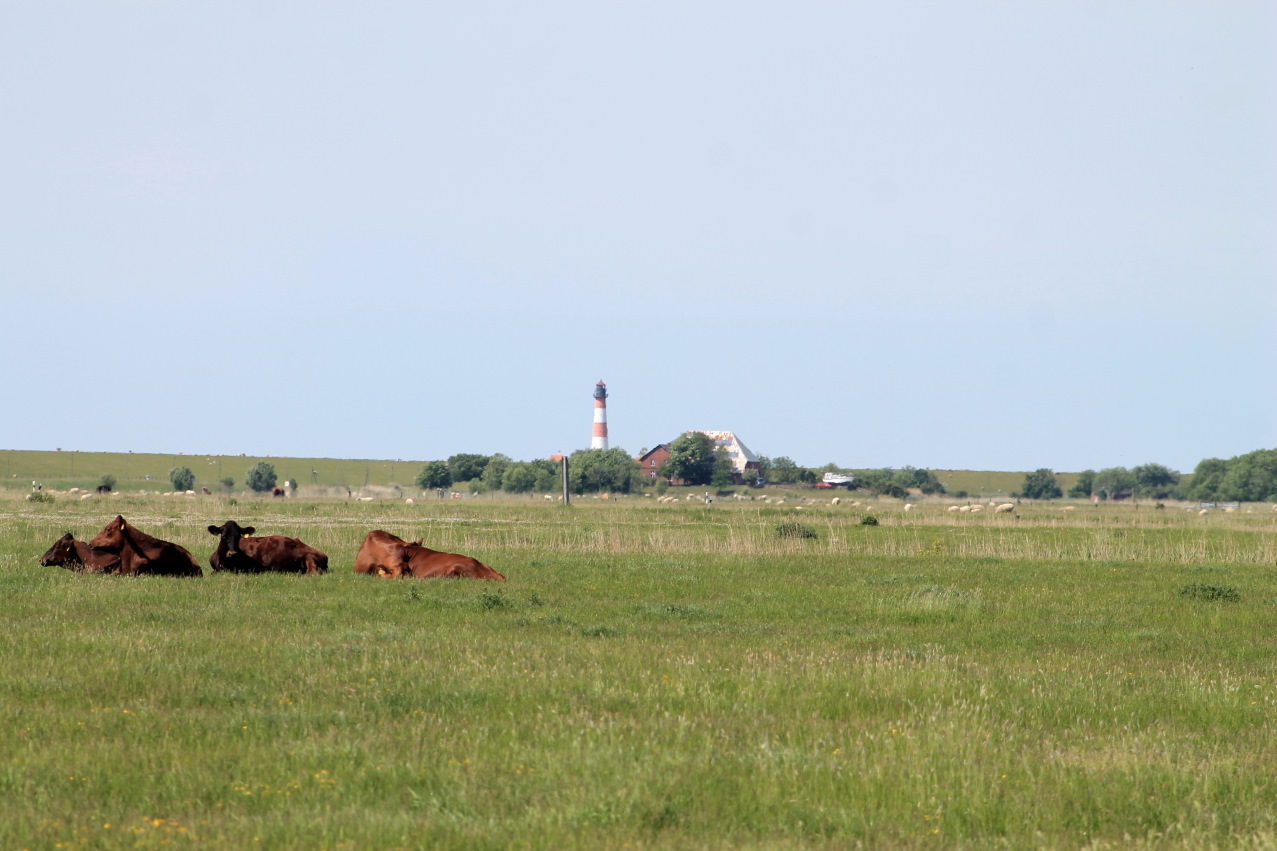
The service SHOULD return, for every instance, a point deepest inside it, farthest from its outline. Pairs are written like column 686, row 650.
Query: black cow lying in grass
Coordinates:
column 239, row 552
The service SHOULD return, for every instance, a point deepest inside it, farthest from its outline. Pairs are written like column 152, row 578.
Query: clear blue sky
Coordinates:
column 950, row 234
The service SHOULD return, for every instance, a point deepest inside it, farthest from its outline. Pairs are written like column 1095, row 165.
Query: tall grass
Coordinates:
column 664, row 677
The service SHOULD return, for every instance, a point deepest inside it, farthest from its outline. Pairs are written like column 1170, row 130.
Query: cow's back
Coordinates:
column 431, row 564
column 283, row 554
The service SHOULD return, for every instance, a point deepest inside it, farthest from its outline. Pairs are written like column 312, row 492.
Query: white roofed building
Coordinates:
column 744, row 462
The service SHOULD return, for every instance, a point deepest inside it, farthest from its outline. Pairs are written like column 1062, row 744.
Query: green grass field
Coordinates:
column 651, row 676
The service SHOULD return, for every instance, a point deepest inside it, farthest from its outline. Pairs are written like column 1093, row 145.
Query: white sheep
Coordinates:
column 409, row 501
column 367, row 498
column 86, row 496
column 908, row 506
column 1005, row 508
column 1068, row 508
column 835, row 501
column 1203, row 511
column 953, row 508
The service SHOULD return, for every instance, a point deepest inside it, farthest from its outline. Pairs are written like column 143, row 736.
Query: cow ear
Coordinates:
column 247, row 530
column 215, row 530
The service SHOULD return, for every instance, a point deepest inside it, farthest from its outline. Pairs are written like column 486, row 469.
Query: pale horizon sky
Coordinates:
column 955, row 235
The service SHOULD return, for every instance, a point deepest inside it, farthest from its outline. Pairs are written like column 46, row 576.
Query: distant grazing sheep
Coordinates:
column 1005, row 508
column 367, row 498
column 954, row 508
column 1203, row 511
column 1067, row 508
column 835, row 501
column 908, row 506
column 409, row 501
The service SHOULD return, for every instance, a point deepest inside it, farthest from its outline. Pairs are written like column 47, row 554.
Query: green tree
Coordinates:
column 1040, row 484
column 261, row 477
column 1155, row 481
column 519, row 477
column 724, row 471
column 691, row 459
column 182, row 478
column 783, row 470
column 549, row 475
column 494, row 470
column 433, row 476
column 1208, row 478
column 764, row 468
column 1251, row 477
column 466, row 466
column 1085, row 485
column 922, row 480
column 610, row 470
column 1114, row 483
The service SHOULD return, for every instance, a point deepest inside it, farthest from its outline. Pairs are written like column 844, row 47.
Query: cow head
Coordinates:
column 61, row 553
column 396, row 562
column 230, row 532
column 111, row 538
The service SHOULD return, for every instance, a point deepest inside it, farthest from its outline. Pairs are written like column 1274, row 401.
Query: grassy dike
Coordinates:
column 650, row 676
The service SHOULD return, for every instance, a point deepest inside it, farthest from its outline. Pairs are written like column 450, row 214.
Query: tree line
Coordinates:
column 1245, row 478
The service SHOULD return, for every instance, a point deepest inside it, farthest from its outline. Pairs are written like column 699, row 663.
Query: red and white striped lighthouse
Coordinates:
column 599, row 441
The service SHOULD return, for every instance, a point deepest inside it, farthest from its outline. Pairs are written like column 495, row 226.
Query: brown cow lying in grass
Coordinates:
column 383, row 554
column 140, row 554
column 77, row 555
column 239, row 552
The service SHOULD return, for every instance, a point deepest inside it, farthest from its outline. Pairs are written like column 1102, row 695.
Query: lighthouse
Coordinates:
column 599, row 441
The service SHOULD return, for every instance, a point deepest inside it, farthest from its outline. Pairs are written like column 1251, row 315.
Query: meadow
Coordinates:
column 651, row 676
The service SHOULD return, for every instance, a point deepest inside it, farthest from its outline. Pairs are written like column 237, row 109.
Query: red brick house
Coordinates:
column 651, row 460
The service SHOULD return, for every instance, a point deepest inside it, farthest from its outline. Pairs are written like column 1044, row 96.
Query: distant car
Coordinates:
column 824, row 485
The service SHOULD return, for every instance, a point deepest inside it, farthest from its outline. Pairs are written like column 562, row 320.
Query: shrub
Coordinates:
column 868, row 520
column 108, row 481
column 40, row 496
column 1201, row 591
column 182, row 478
column 261, row 477
column 227, row 483
column 493, row 600
column 795, row 530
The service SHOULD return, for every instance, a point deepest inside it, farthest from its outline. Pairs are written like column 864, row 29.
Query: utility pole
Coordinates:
column 567, row 496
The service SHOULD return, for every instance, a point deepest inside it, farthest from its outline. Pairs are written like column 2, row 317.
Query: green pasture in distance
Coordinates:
column 67, row 469
column 651, row 675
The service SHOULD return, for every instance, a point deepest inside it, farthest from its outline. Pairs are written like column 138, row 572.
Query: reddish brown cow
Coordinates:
column 139, row 553
column 239, row 552
column 77, row 555
column 391, row 557
column 382, row 554
column 426, row 563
